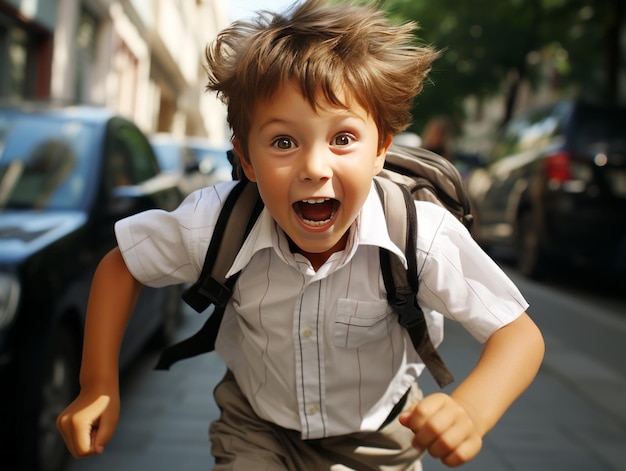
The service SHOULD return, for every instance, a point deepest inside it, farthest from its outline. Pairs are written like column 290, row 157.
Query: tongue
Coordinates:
column 316, row 212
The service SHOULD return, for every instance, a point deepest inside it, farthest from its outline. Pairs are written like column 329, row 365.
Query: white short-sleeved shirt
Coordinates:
column 321, row 351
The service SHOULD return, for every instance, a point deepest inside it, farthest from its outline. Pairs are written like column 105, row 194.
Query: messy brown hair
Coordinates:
column 333, row 50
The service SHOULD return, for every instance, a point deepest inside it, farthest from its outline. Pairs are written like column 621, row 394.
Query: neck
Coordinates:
column 317, row 259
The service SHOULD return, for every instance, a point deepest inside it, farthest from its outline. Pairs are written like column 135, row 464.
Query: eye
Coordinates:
column 283, row 143
column 342, row 140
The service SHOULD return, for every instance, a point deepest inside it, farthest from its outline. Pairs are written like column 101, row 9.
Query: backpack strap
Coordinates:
column 212, row 286
column 402, row 284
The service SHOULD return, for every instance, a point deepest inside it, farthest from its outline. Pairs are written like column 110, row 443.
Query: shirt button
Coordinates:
column 311, row 410
column 307, row 332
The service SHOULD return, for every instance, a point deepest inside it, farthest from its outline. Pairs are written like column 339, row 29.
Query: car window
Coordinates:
column 173, row 156
column 532, row 130
column 541, row 127
column 44, row 162
column 167, row 155
column 130, row 159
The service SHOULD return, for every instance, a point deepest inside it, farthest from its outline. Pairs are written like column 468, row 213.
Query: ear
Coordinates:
column 380, row 157
column 246, row 166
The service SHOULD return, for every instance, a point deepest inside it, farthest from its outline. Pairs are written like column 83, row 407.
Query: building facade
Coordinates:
column 143, row 58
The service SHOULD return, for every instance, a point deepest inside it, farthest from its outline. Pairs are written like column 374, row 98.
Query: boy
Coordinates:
column 320, row 373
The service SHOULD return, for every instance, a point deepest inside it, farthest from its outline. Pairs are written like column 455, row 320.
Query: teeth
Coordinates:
column 316, row 200
column 316, row 223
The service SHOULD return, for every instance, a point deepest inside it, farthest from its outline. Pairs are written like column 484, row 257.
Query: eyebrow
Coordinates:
column 274, row 121
column 342, row 116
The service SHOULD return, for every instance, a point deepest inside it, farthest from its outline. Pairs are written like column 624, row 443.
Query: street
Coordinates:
column 572, row 418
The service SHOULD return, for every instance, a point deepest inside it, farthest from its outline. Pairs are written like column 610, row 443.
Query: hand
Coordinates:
column 88, row 423
column 443, row 427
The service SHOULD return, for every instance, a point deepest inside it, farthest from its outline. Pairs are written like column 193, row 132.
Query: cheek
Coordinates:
column 355, row 196
column 274, row 195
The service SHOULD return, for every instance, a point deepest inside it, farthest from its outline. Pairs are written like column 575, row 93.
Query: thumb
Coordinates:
column 406, row 415
column 404, row 418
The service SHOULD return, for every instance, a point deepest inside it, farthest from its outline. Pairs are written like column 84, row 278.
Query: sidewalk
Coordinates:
column 573, row 417
column 165, row 415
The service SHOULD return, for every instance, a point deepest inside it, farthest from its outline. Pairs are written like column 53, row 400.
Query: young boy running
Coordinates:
column 320, row 374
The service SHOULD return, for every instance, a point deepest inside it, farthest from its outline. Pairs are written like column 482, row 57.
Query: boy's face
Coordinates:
column 313, row 168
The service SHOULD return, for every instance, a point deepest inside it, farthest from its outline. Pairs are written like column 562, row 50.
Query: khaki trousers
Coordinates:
column 241, row 441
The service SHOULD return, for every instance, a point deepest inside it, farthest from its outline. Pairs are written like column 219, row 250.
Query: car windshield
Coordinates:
column 44, row 162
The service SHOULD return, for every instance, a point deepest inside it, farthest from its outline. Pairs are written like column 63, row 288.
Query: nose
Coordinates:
column 316, row 165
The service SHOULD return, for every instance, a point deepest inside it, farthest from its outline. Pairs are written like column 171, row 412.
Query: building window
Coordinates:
column 25, row 53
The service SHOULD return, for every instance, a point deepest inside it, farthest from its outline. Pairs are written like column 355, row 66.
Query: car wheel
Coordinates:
column 59, row 386
column 529, row 257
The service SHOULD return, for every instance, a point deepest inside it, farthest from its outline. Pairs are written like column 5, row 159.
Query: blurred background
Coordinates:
column 142, row 58
column 103, row 112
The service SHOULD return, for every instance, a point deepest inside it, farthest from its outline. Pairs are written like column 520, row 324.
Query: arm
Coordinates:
column 88, row 423
column 451, row 426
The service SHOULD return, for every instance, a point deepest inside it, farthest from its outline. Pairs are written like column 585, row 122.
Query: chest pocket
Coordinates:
column 361, row 322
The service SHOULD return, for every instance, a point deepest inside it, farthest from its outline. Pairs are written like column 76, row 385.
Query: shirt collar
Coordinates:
column 366, row 230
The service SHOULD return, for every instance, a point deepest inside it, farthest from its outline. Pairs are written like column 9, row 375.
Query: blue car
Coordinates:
column 66, row 176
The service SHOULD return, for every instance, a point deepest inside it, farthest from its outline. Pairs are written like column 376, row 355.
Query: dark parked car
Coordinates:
column 66, row 175
column 176, row 158
column 554, row 190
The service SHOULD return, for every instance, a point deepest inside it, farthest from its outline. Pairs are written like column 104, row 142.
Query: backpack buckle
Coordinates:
column 410, row 314
column 201, row 295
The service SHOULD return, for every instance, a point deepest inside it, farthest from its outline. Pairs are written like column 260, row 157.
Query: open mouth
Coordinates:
column 316, row 211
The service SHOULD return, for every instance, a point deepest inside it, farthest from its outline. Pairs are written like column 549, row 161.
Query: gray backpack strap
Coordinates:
column 239, row 213
column 402, row 284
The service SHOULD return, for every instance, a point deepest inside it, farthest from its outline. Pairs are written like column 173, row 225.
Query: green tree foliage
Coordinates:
column 489, row 46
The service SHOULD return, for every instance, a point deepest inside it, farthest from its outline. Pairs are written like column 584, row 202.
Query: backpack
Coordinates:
column 409, row 173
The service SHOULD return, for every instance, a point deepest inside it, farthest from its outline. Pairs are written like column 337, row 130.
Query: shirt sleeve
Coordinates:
column 458, row 279
column 162, row 248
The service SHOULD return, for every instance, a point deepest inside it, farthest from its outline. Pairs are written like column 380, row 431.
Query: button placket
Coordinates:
column 310, row 357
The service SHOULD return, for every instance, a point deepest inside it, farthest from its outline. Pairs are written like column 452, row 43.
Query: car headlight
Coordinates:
column 9, row 298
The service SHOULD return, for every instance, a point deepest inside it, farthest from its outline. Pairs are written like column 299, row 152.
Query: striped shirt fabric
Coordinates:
column 321, row 352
